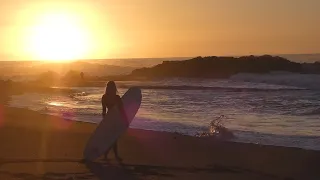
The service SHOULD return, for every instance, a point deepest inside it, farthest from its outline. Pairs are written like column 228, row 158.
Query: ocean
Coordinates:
column 281, row 109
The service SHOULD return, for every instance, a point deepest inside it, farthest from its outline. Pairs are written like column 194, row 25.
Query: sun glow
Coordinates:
column 58, row 37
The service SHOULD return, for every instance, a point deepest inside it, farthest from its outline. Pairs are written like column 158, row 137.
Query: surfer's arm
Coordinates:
column 104, row 108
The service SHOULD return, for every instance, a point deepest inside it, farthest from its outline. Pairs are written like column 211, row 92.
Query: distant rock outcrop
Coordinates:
column 218, row 67
column 311, row 67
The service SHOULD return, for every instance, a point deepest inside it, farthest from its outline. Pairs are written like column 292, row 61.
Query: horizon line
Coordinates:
column 174, row 57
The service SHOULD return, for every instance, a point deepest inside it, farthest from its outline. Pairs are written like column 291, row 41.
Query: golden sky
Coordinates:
column 73, row 29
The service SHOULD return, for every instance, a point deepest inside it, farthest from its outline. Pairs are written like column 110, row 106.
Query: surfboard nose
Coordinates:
column 136, row 92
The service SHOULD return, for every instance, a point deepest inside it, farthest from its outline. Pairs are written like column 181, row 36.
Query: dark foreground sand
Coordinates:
column 35, row 146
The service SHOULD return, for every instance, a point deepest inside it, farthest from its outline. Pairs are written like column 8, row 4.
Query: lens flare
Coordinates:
column 62, row 121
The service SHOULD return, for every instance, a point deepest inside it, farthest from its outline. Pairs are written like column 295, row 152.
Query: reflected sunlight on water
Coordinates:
column 55, row 103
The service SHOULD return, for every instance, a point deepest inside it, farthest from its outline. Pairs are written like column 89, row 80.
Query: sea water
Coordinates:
column 280, row 109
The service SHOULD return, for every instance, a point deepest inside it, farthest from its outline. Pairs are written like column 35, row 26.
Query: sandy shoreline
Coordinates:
column 36, row 146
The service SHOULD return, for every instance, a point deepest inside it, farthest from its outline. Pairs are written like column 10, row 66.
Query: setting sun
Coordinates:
column 69, row 29
column 58, row 37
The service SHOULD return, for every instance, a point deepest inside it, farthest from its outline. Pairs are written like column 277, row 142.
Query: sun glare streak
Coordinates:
column 42, row 150
column 1, row 115
column 62, row 120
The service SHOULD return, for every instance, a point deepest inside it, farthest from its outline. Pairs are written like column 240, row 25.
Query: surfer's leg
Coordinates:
column 115, row 149
column 106, row 154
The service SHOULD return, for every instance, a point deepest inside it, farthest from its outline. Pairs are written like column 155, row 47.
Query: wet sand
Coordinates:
column 35, row 146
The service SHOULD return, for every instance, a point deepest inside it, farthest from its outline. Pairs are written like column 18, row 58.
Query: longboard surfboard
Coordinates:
column 113, row 125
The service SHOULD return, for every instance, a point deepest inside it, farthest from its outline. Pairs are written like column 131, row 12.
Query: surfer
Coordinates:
column 108, row 100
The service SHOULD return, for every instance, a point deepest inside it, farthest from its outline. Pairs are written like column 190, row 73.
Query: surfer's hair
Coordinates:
column 111, row 88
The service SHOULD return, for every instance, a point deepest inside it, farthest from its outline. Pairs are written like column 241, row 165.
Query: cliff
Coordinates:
column 218, row 67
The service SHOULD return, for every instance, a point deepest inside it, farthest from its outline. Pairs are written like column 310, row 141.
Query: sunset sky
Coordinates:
column 77, row 29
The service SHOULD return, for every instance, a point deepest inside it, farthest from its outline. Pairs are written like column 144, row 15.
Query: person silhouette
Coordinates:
column 110, row 99
column 82, row 75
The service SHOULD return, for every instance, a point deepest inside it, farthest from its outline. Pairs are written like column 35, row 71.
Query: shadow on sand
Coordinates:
column 118, row 170
column 100, row 170
column 105, row 171
column 121, row 171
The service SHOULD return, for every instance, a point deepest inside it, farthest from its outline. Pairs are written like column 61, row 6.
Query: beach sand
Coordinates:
column 36, row 146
